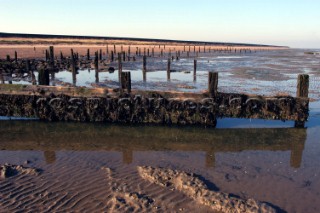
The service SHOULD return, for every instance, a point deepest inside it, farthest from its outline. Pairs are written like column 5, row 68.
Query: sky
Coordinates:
column 294, row 23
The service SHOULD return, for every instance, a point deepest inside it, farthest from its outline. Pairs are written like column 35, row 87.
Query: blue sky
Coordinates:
column 294, row 23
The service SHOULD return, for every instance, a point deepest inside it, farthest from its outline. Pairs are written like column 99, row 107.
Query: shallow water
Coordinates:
column 262, row 73
column 269, row 161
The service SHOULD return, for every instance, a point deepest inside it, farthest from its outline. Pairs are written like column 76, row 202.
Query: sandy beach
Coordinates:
column 242, row 166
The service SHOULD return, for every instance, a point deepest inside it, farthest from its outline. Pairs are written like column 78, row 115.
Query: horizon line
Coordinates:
column 32, row 35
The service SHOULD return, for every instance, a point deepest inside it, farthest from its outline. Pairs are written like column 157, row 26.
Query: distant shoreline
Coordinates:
column 103, row 39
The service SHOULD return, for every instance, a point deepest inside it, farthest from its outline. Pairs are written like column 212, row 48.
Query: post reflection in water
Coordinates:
column 51, row 137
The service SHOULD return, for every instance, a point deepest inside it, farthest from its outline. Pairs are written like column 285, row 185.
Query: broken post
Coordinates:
column 168, row 68
column 96, row 67
column 88, row 54
column 96, row 61
column 51, row 49
column 43, row 77
column 213, row 84
column 303, row 86
column 194, row 70
column 61, row 56
column 28, row 66
column 302, row 92
column 73, row 67
column 112, row 56
column 126, row 81
column 144, row 68
column 47, row 55
column 119, row 67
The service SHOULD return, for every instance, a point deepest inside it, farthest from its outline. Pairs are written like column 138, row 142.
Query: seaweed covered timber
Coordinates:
column 48, row 103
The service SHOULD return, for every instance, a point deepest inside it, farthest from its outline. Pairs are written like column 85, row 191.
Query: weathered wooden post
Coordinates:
column 124, row 55
column 161, row 52
column 144, row 68
column 194, row 70
column 126, row 81
column 88, row 54
column 213, row 84
column 72, row 54
column 112, row 56
column 303, row 86
column 302, row 92
column 107, row 49
column 51, row 54
column 100, row 55
column 129, row 51
column 61, row 56
column 15, row 56
column 96, row 67
column 47, row 55
column 114, row 49
column 43, row 77
column 73, row 67
column 8, row 58
column 153, row 52
column 168, row 68
column 119, row 67
column 28, row 66
column 96, row 61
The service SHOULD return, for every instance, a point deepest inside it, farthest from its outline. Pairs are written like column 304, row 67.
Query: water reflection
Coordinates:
column 51, row 137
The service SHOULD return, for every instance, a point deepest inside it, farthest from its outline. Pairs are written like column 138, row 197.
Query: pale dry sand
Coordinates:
column 35, row 48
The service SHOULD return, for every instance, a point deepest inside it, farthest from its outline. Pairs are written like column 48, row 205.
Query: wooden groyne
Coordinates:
column 143, row 107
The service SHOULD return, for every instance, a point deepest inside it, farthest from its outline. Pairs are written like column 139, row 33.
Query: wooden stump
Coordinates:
column 302, row 92
column 43, row 77
column 303, row 85
column 112, row 57
column 144, row 68
column 194, row 70
column 213, row 84
column 119, row 67
column 168, row 68
column 126, row 81
column 88, row 54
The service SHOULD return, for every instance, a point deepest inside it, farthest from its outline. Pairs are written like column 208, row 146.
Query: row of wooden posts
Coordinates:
column 44, row 74
column 125, row 77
